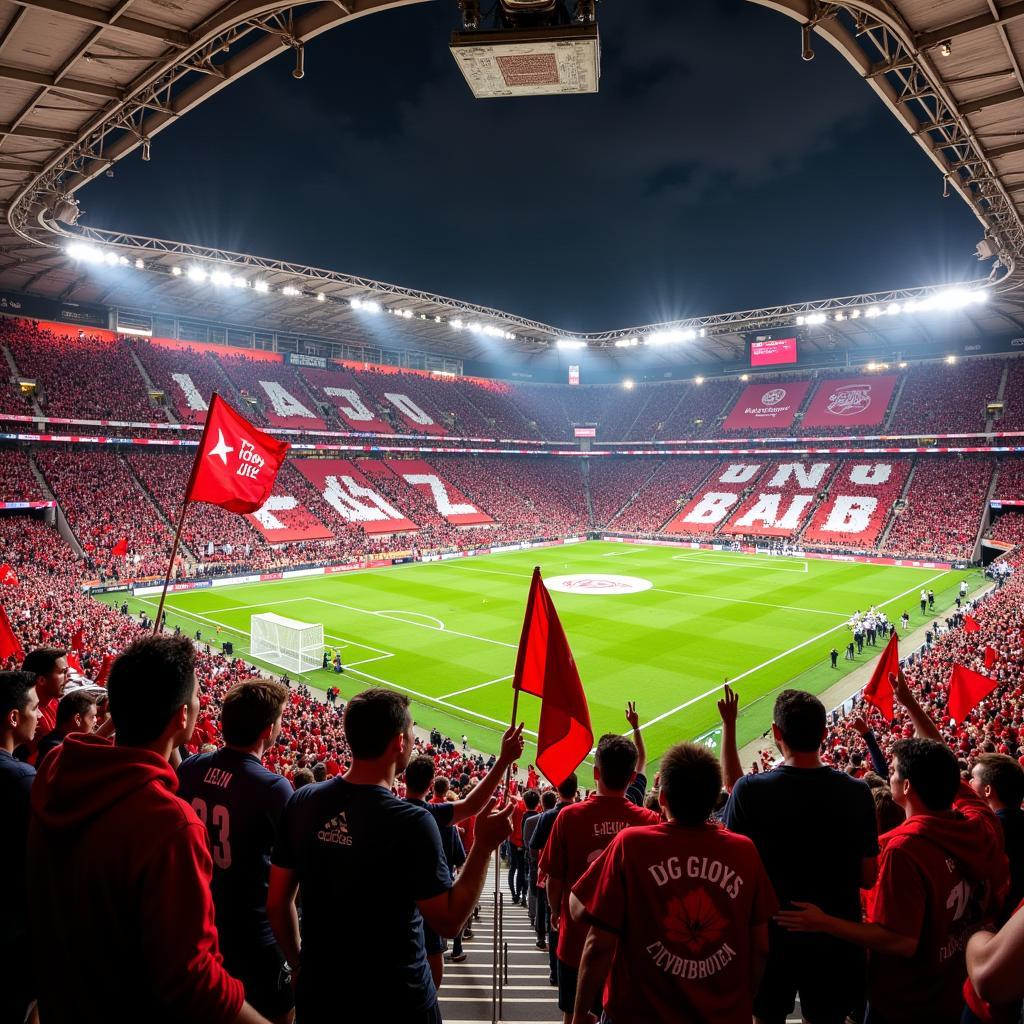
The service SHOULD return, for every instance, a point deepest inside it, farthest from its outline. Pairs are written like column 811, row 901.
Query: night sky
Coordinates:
column 714, row 171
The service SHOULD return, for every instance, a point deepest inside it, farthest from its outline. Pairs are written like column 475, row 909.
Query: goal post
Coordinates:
column 287, row 643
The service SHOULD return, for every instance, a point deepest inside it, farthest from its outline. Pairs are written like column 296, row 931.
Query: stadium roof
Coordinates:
column 85, row 84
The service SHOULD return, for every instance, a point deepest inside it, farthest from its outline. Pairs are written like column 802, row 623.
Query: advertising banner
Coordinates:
column 767, row 405
column 857, row 402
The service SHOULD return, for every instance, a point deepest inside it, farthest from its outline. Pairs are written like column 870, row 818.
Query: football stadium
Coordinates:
column 374, row 654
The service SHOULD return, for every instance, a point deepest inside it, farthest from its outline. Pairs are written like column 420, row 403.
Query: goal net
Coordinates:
column 289, row 644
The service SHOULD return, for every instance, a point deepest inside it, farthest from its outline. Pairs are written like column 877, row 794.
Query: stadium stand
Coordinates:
column 615, row 483
column 943, row 509
column 104, row 505
column 73, row 372
column 275, row 390
column 17, row 482
column 946, row 398
column 783, row 499
column 859, row 504
column 390, row 392
column 659, row 500
column 188, row 377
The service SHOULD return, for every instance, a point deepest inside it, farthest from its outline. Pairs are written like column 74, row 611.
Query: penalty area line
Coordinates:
column 479, row 686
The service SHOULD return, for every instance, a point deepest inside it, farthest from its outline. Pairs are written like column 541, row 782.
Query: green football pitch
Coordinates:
column 445, row 633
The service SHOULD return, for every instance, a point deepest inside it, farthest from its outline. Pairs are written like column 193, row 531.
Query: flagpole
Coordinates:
column 170, row 567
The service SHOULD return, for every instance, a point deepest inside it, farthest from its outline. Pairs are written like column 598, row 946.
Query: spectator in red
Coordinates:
column 999, row 780
column 119, row 863
column 580, row 833
column 942, row 873
column 19, row 712
column 816, row 832
column 679, row 910
column 50, row 667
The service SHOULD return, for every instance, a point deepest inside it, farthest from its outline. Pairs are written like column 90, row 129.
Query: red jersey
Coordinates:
column 684, row 902
column 939, row 876
column 580, row 835
column 516, row 839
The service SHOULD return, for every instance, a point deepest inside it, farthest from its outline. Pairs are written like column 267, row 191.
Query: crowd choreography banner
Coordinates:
column 859, row 402
column 767, row 405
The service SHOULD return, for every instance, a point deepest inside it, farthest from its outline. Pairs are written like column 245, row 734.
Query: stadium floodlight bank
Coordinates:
column 287, row 643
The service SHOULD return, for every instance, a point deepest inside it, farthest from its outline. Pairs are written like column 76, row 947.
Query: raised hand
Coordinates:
column 631, row 716
column 494, row 826
column 729, row 706
column 512, row 744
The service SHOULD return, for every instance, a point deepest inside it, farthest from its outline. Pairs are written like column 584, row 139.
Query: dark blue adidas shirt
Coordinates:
column 16, row 780
column 363, row 858
column 240, row 802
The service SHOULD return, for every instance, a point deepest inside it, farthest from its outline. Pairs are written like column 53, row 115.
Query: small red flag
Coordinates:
column 991, row 657
column 878, row 692
column 78, row 640
column 8, row 577
column 236, row 464
column 966, row 690
column 104, row 672
column 9, row 643
column 545, row 668
column 74, row 662
column 120, row 549
column 971, row 624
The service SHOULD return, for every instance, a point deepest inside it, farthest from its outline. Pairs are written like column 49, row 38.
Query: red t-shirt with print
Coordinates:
column 684, row 902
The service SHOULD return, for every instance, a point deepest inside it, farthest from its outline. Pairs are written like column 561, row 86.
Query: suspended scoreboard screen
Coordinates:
column 768, row 351
column 529, row 62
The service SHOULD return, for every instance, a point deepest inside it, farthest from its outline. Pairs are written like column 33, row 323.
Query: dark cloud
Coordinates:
column 714, row 170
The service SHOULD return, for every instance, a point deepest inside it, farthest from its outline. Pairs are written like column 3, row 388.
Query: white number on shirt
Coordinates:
column 219, row 820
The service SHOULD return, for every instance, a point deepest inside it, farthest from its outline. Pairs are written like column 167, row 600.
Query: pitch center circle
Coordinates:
column 597, row 583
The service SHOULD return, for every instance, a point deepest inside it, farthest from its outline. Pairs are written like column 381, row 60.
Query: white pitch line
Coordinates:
column 494, row 572
column 760, row 604
column 765, row 664
column 619, row 554
column 746, row 564
column 419, row 625
column 479, row 686
column 436, row 700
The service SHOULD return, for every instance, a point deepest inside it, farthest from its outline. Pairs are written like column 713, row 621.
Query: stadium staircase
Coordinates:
column 167, row 408
column 63, row 528
column 636, row 494
column 527, row 996
column 880, row 546
column 1000, row 393
column 186, row 551
column 986, row 514
column 585, row 474
column 15, row 374
column 894, row 402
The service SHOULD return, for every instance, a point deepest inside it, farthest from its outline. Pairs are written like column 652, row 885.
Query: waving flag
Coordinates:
column 8, row 577
column 966, row 690
column 545, row 668
column 991, row 657
column 971, row 624
column 236, row 464
column 120, row 549
column 878, row 692
column 9, row 643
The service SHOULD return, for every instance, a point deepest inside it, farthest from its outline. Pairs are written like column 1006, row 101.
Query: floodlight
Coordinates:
column 139, row 265
column 260, row 286
column 290, row 290
column 176, row 271
column 571, row 343
column 321, row 297
column 221, row 278
column 950, row 359
column 196, row 274
column 698, row 380
column 628, row 384
column 85, row 253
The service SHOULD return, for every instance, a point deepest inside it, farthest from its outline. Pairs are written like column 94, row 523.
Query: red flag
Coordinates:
column 236, row 464
column 104, row 672
column 74, row 662
column 120, row 549
column 991, row 657
column 966, row 690
column 8, row 576
column 545, row 668
column 78, row 640
column 971, row 624
column 878, row 692
column 9, row 643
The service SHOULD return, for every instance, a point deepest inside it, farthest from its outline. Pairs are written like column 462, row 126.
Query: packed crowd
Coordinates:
column 17, row 481
column 940, row 397
column 943, row 509
column 73, row 373
column 885, row 897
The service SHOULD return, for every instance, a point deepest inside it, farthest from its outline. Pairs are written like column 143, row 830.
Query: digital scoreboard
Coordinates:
column 766, row 351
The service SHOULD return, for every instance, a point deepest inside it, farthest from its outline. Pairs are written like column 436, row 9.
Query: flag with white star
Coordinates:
column 236, row 463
